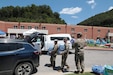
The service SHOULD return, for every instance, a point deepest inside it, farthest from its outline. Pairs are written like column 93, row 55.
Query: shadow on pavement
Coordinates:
column 57, row 68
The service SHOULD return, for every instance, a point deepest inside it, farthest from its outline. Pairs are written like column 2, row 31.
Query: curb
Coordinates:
column 96, row 48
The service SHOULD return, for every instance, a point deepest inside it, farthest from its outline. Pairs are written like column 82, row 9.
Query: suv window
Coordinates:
column 59, row 38
column 10, row 46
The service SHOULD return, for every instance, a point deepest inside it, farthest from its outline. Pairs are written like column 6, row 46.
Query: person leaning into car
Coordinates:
column 79, row 53
column 37, row 45
column 54, row 53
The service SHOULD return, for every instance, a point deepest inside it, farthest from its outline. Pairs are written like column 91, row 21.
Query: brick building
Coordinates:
column 89, row 32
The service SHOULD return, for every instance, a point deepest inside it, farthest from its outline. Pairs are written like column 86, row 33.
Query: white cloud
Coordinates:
column 110, row 8
column 92, row 3
column 74, row 16
column 71, row 11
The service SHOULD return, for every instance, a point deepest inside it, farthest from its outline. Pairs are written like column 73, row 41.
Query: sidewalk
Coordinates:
column 99, row 48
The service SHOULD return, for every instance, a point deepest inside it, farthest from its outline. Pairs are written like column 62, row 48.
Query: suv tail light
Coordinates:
column 36, row 52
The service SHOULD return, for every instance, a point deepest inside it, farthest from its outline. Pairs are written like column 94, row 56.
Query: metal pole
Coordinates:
column 66, row 28
column 92, row 32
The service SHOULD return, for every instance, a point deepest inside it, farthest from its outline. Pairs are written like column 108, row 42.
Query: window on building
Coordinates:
column 85, row 30
column 99, row 30
column 72, row 29
column 108, row 30
column 29, row 27
column 43, row 28
column 15, row 27
column 36, row 27
column 22, row 27
column 58, row 29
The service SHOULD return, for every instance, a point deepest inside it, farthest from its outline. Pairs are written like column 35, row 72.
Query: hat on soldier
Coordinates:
column 79, row 33
column 65, row 38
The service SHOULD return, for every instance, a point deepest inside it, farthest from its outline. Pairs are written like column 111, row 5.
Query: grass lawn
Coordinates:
column 86, row 73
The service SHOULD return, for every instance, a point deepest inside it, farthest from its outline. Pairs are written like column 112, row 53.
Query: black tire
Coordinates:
column 25, row 68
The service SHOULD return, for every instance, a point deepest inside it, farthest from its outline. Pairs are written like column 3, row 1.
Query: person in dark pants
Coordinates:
column 65, row 55
column 53, row 54
column 79, row 53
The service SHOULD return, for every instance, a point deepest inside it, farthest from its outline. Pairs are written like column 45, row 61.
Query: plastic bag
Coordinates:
column 49, row 50
column 98, row 69
column 108, row 70
column 61, row 49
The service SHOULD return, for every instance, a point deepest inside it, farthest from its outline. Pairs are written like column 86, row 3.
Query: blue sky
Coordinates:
column 72, row 11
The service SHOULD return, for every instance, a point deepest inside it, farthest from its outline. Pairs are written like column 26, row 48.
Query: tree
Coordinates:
column 32, row 13
column 103, row 19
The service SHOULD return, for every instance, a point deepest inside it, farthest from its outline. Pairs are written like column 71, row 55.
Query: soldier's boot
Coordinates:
column 82, row 71
column 53, row 65
column 67, row 66
column 77, row 72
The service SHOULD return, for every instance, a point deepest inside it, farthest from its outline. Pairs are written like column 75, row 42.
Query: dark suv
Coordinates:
column 17, row 57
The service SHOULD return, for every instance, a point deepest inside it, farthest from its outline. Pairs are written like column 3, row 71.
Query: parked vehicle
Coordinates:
column 49, row 40
column 17, row 57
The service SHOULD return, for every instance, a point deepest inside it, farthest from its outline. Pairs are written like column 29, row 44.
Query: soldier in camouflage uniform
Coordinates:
column 65, row 55
column 79, row 53
column 53, row 54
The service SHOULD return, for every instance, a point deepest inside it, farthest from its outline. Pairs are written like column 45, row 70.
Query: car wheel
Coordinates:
column 24, row 69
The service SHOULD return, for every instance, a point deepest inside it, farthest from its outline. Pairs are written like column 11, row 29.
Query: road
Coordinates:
column 92, row 57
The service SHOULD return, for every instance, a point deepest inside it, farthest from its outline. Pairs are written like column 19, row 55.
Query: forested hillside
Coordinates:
column 103, row 19
column 33, row 13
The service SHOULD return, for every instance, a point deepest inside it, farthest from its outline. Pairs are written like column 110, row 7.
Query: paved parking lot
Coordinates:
column 92, row 57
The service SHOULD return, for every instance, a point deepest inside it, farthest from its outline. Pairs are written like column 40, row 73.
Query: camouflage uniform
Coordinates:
column 64, row 56
column 53, row 55
column 79, row 54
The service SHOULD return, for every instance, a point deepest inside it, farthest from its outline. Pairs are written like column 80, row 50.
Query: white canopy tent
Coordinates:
column 2, row 34
column 30, row 31
column 110, row 34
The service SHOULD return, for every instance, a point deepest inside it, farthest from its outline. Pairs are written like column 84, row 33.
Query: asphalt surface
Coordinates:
column 92, row 57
